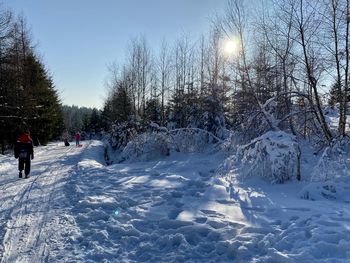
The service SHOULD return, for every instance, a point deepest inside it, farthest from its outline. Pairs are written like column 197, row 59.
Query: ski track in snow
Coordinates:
column 75, row 209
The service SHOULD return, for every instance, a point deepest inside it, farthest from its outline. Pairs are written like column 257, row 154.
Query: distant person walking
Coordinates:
column 77, row 139
column 24, row 152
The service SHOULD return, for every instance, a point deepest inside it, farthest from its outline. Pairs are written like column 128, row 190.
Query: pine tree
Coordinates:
column 153, row 112
column 334, row 96
column 95, row 120
column 119, row 107
column 28, row 98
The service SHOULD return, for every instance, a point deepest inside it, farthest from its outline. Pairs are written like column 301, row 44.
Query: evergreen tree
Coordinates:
column 42, row 104
column 153, row 112
column 213, row 117
column 28, row 98
column 334, row 96
column 95, row 120
column 177, row 114
column 119, row 107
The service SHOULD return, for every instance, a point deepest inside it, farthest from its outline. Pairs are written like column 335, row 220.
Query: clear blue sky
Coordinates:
column 78, row 39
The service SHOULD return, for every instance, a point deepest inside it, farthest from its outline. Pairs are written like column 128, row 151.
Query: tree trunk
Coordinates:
column 312, row 81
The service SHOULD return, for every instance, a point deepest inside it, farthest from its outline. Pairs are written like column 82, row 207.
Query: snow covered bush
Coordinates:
column 336, row 190
column 334, row 162
column 231, row 143
column 274, row 155
column 189, row 140
column 124, row 143
column 146, row 147
column 330, row 178
column 122, row 133
column 214, row 123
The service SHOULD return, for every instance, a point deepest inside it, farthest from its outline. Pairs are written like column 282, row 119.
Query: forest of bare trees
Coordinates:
column 286, row 57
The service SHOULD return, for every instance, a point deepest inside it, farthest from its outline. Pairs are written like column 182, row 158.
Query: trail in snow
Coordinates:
column 29, row 204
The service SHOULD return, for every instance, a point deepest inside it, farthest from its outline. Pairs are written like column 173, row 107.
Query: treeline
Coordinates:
column 82, row 119
column 28, row 98
column 259, row 69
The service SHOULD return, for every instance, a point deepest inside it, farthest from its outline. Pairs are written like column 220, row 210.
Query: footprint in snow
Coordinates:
column 217, row 224
column 201, row 220
column 293, row 218
column 308, row 233
column 211, row 213
column 173, row 224
column 226, row 202
column 235, row 225
column 158, row 203
column 343, row 219
column 178, row 204
column 301, row 209
column 328, row 223
column 176, row 194
column 146, row 194
column 174, row 213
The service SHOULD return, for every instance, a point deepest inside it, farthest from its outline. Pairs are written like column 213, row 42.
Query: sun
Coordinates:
column 231, row 47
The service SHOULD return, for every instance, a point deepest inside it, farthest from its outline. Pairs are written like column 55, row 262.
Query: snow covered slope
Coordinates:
column 75, row 209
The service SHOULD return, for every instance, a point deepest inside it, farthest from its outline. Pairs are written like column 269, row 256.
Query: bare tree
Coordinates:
column 164, row 65
column 338, row 11
column 235, row 23
column 276, row 27
column 140, row 65
column 307, row 23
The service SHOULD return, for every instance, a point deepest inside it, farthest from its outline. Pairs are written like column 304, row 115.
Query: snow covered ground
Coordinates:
column 73, row 208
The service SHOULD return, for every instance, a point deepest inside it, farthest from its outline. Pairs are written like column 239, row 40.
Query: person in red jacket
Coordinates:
column 24, row 152
column 77, row 139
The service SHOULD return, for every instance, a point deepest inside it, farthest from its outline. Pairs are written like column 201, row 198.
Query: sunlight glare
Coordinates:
column 231, row 47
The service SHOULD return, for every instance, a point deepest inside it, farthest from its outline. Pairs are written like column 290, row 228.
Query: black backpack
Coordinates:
column 23, row 153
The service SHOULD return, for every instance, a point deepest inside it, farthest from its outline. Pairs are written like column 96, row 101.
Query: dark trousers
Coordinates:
column 24, row 163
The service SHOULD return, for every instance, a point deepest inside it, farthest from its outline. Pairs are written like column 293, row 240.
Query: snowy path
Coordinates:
column 29, row 205
column 75, row 209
